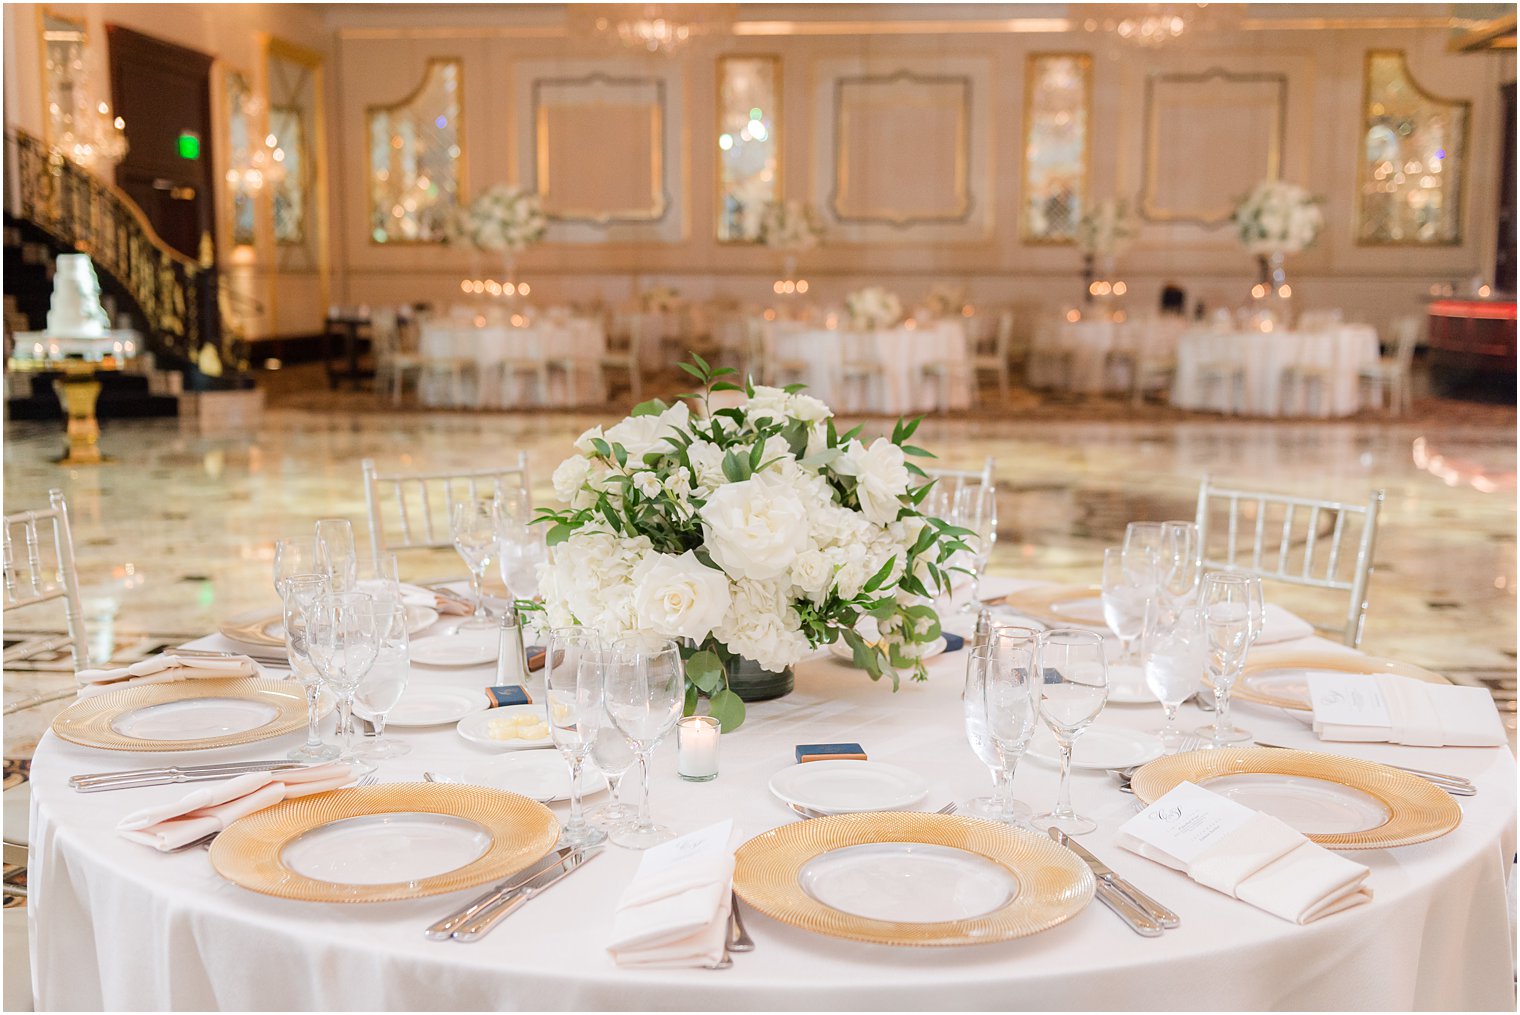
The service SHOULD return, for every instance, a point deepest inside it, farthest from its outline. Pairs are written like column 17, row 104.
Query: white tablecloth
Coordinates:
column 117, row 925
column 1342, row 351
column 902, row 352
column 488, row 346
column 1088, row 343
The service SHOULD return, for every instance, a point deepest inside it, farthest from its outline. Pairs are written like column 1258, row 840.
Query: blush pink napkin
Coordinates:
column 163, row 669
column 213, row 807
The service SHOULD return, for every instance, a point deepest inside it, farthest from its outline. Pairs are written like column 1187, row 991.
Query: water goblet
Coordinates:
column 522, row 549
column 1144, row 536
column 294, row 555
column 1010, row 709
column 336, row 552
column 474, row 524
column 1073, row 691
column 1175, row 650
column 301, row 594
column 976, row 509
column 344, row 641
column 1129, row 583
column 573, row 676
column 1232, row 608
column 646, row 689
column 515, row 503
column 386, row 680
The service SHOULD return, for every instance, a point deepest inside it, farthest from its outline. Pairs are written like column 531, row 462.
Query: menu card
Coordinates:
column 1185, row 822
column 1347, row 699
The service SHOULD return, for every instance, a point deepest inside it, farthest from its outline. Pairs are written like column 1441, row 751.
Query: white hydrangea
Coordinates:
column 762, row 625
column 1278, row 218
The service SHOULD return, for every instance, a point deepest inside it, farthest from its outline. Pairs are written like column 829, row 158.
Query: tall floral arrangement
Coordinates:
column 872, row 307
column 1278, row 218
column 1107, row 229
column 790, row 226
column 757, row 532
column 945, row 299
column 503, row 219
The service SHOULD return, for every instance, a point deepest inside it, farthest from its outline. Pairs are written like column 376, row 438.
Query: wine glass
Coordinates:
column 383, row 685
column 1176, row 650
column 522, row 549
column 344, row 641
column 474, row 524
column 515, row 503
column 292, row 556
column 1145, row 536
column 573, row 700
column 1073, row 692
column 1232, row 609
column 335, row 552
column 1129, row 583
column 976, row 509
column 301, row 594
column 646, row 689
column 1010, row 709
column 613, row 755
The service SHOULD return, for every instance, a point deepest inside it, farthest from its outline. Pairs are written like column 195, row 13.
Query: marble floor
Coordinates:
column 178, row 532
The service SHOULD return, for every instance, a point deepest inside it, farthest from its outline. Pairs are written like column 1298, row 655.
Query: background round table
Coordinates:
column 117, row 925
column 1340, row 352
column 902, row 355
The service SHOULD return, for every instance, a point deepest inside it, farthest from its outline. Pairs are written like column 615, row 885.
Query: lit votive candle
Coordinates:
column 697, row 748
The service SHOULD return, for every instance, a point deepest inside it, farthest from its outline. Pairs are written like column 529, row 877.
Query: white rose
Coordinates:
column 678, row 484
column 881, row 475
column 756, row 528
column 706, row 460
column 583, row 442
column 766, row 401
column 642, row 434
column 809, row 409
column 813, row 574
column 570, row 476
column 679, row 597
column 647, row 483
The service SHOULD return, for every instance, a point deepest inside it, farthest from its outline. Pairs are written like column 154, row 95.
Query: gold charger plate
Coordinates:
column 251, row 851
column 259, row 627
column 1260, row 665
column 1053, row 884
column 1044, row 604
column 1417, row 810
column 91, row 721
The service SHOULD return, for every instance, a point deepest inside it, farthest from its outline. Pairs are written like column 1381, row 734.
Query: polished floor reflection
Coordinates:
column 178, row 533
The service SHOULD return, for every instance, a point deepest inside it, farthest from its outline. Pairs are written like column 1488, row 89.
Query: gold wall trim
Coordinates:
column 1030, row 62
column 1150, row 168
column 461, row 171
column 659, row 195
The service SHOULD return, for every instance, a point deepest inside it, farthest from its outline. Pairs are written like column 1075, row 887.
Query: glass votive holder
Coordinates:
column 697, row 748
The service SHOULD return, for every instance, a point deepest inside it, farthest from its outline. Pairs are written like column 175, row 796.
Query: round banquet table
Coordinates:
column 902, row 353
column 1088, row 343
column 116, row 925
column 575, row 340
column 1340, row 352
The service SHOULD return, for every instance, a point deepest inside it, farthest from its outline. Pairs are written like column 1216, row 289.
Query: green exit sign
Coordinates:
column 189, row 145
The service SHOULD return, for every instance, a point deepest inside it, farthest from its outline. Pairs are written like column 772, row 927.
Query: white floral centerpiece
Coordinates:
column 753, row 533
column 872, row 307
column 1107, row 229
column 1278, row 218
column 503, row 219
column 790, row 226
column 946, row 300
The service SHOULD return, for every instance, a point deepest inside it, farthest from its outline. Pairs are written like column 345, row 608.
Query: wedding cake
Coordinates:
column 75, row 310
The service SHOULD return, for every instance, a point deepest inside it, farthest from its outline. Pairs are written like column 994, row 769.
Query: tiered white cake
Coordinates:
column 77, row 324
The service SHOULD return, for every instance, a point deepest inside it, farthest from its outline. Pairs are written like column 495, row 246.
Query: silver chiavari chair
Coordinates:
column 410, row 510
column 1321, row 544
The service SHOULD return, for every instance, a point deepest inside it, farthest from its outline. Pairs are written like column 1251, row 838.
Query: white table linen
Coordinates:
column 903, row 353
column 118, row 926
column 490, row 345
column 1263, row 356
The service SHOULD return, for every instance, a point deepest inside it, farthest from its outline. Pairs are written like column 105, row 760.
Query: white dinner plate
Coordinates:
column 908, row 882
column 847, row 787
column 195, row 719
column 457, row 650
column 434, row 706
column 1311, row 806
column 476, row 727
column 383, row 849
column 839, row 650
column 1126, row 686
column 1100, row 747
column 541, row 775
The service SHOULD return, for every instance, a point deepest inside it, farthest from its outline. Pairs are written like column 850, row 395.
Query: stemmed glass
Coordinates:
column 1232, row 608
column 1129, row 583
column 573, row 700
column 1011, row 708
column 386, row 680
column 292, row 556
column 613, row 755
column 976, row 509
column 522, row 549
column 1145, row 536
column 302, row 591
column 1181, row 562
column 475, row 524
column 1176, row 650
column 646, row 688
column 1073, row 692
column 514, row 503
column 343, row 635
column 336, row 554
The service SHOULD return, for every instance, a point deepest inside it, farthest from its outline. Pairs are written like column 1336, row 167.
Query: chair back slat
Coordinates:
column 1311, row 553
column 420, row 516
column 49, row 575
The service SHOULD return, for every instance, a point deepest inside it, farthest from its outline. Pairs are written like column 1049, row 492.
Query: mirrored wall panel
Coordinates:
column 749, row 144
column 415, row 157
column 63, row 44
column 1057, row 107
column 1414, row 152
column 294, row 127
column 288, row 130
column 249, row 159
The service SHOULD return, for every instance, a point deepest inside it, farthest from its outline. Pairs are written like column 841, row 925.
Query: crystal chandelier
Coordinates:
column 1152, row 24
column 92, row 136
column 656, row 29
column 251, row 165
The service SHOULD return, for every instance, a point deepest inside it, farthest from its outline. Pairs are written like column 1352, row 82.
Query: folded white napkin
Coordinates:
column 674, row 914
column 1243, row 853
column 1278, row 625
column 162, row 669
column 416, row 595
column 213, row 807
column 1388, row 708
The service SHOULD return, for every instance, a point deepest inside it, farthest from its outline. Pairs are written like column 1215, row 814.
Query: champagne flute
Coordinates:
column 976, row 509
column 386, row 680
column 1073, row 692
column 1175, row 650
column 336, row 553
column 301, row 594
column 344, row 643
column 1010, row 708
column 1129, row 584
column 1232, row 608
column 646, row 689
column 573, row 675
column 294, row 555
column 474, row 524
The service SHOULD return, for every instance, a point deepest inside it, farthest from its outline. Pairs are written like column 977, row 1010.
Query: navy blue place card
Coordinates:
column 509, row 694
column 830, row 752
column 953, row 642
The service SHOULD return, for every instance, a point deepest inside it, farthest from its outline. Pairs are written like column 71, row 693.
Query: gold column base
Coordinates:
column 78, row 395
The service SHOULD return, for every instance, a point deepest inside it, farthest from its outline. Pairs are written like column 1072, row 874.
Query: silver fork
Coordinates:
column 207, row 840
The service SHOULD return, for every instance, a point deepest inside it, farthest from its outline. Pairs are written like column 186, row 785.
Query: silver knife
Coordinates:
column 132, row 775
column 483, row 922
column 444, row 929
column 1127, row 911
column 177, row 779
column 1104, row 873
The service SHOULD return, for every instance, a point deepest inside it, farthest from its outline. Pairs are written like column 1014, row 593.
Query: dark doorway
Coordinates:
column 163, row 92
column 1504, row 265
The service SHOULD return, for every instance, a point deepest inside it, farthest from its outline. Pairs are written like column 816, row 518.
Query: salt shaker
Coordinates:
column 511, row 656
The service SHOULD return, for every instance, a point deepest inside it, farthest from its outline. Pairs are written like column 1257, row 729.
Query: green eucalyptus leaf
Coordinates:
column 705, row 671
column 728, row 708
column 653, row 407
